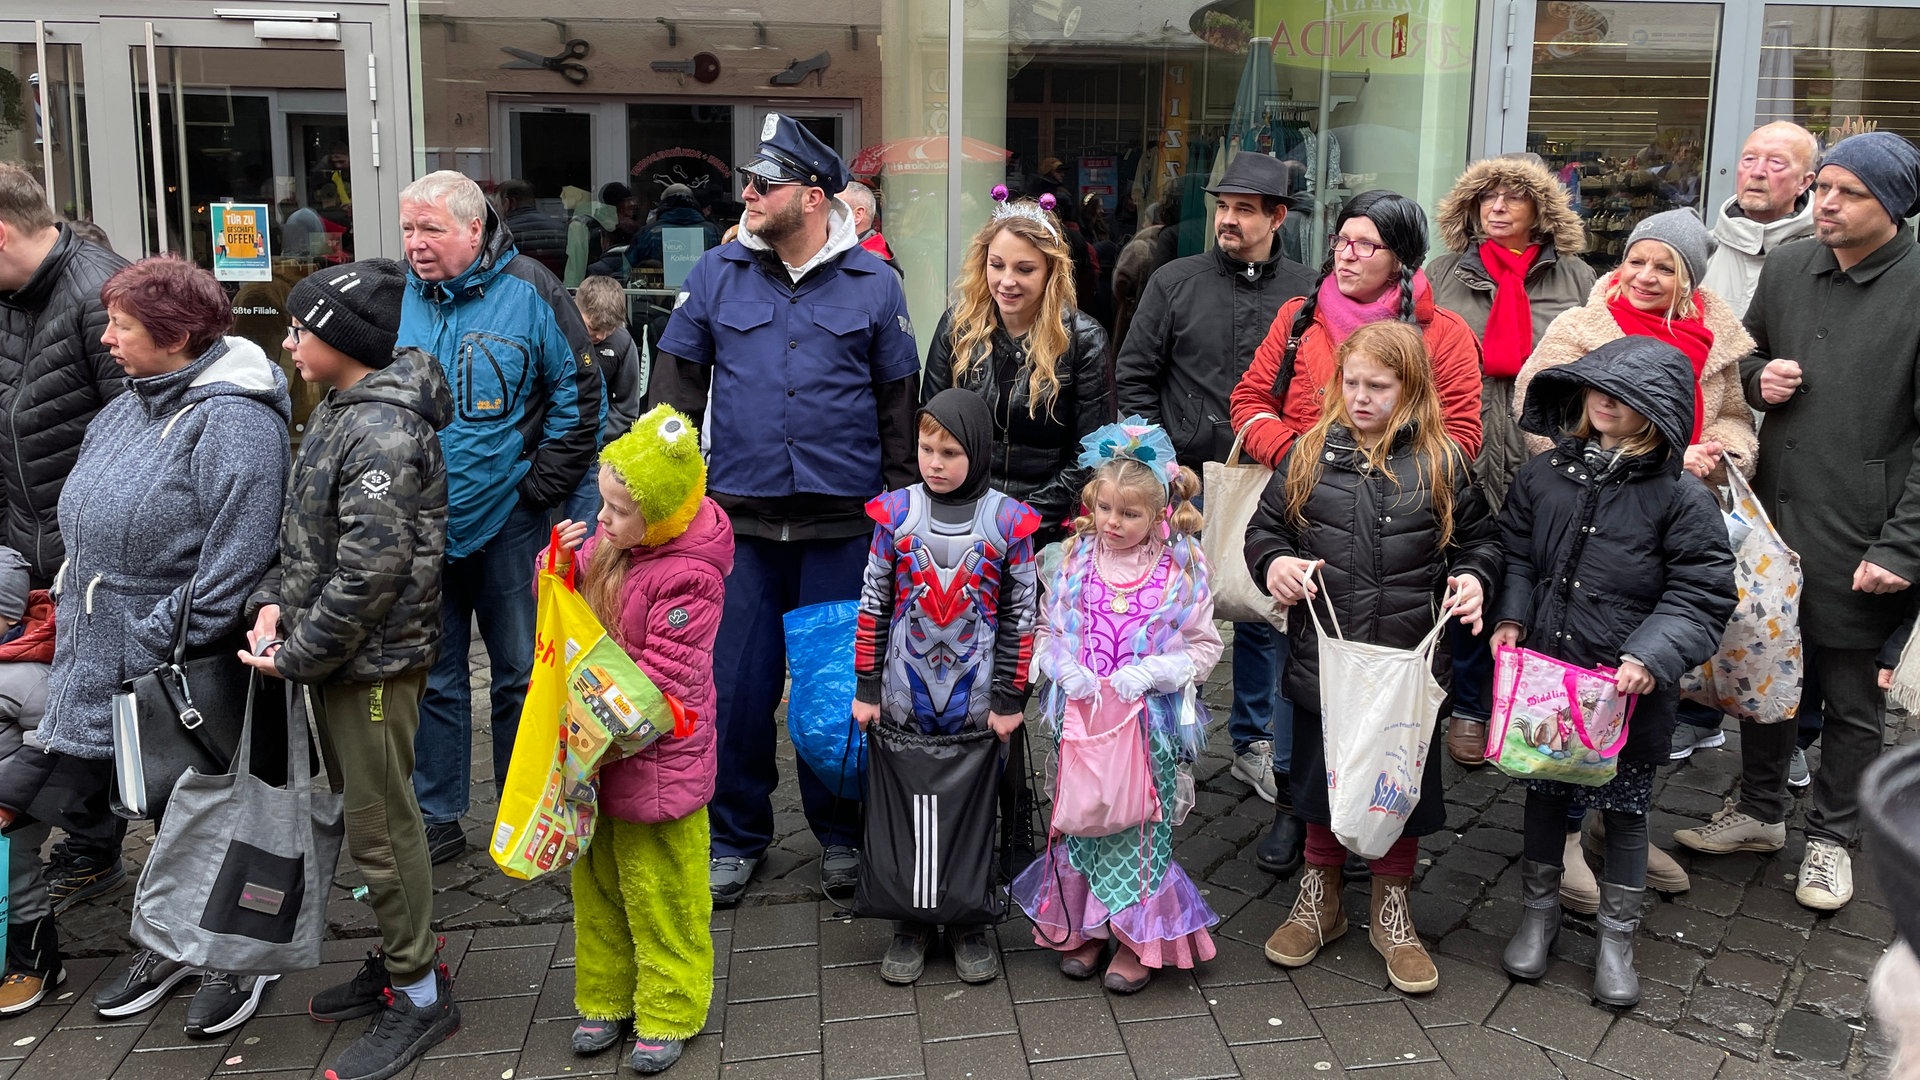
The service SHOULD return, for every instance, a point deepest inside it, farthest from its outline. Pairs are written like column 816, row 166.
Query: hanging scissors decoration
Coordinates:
column 573, row 50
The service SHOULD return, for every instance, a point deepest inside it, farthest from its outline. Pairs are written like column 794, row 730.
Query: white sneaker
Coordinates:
column 1731, row 830
column 1256, row 768
column 1826, row 877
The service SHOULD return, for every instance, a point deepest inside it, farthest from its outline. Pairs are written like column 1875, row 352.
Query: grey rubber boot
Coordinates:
column 1532, row 944
column 1614, row 980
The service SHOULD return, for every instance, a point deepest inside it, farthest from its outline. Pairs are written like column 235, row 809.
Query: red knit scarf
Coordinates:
column 1509, row 338
column 1690, row 336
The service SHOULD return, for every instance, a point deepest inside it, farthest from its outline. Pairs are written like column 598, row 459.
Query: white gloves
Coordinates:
column 1076, row 681
column 1132, row 682
column 1164, row 674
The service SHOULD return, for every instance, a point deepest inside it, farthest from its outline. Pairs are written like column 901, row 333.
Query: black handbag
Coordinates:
column 187, row 712
column 927, row 855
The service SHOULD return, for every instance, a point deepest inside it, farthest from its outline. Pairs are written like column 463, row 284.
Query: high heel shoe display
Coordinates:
column 798, row 70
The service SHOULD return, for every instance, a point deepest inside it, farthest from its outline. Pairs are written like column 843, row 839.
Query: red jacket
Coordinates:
column 35, row 643
column 1456, row 374
column 669, row 613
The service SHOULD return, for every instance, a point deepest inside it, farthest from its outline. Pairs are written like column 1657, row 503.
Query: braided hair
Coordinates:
column 1403, row 232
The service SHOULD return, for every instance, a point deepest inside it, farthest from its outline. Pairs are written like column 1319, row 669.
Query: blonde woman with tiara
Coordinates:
column 1377, row 502
column 1015, row 336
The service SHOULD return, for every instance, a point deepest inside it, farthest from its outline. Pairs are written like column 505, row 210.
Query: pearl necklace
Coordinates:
column 1121, row 602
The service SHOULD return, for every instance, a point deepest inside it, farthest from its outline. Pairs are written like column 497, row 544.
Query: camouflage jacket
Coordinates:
column 365, row 530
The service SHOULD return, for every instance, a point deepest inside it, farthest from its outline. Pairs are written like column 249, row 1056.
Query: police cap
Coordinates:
column 791, row 154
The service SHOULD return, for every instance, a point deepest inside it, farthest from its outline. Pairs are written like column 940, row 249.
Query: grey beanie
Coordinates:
column 1889, row 166
column 1682, row 231
column 13, row 585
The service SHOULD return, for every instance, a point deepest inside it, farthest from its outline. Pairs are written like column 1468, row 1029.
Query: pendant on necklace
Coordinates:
column 1119, row 604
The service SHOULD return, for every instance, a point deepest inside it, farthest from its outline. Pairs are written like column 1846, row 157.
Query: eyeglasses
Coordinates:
column 1362, row 249
column 761, row 185
column 1502, row 195
column 295, row 333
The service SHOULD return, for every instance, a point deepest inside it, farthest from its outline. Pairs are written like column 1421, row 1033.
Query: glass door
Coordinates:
column 255, row 154
column 43, row 123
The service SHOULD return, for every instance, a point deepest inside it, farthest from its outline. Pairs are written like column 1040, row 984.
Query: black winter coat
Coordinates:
column 1035, row 458
column 1633, row 562
column 1193, row 336
column 1385, row 572
column 54, row 375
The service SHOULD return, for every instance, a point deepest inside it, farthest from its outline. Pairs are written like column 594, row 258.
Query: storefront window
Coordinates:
column 1622, row 96
column 1840, row 70
column 43, row 122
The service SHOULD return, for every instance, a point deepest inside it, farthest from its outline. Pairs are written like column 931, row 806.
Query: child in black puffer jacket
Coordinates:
column 1615, row 556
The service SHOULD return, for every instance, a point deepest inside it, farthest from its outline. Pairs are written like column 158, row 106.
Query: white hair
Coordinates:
column 1896, row 1003
column 859, row 196
column 455, row 191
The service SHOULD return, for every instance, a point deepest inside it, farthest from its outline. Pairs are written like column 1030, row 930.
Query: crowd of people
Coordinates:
column 1493, row 449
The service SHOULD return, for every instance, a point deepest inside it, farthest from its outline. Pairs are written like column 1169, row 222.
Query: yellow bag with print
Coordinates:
column 587, row 703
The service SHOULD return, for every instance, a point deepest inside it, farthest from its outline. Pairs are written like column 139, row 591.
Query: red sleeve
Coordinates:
column 1267, row 440
column 1456, row 374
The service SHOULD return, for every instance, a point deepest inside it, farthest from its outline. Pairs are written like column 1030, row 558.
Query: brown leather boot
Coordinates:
column 1393, row 937
column 1317, row 918
column 1467, row 741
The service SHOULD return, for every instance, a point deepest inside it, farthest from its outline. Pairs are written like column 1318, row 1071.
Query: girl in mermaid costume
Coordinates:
column 1128, row 617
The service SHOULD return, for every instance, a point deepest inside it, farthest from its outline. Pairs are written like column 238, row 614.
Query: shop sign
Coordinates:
column 683, row 165
column 241, row 248
column 1173, row 121
column 1098, row 176
column 1390, row 37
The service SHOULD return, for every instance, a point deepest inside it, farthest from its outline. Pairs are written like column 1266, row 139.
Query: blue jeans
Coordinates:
column 584, row 503
column 769, row 579
column 494, row 583
column 1260, row 710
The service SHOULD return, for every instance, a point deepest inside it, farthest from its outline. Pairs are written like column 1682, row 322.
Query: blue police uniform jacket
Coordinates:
column 794, row 367
column 517, row 355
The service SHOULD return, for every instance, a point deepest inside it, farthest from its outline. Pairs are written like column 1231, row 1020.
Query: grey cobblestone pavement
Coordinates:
column 1740, row 981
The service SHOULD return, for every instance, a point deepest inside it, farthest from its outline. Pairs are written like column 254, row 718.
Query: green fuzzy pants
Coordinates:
column 641, row 915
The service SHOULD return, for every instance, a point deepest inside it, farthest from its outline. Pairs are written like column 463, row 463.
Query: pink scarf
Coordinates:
column 1344, row 315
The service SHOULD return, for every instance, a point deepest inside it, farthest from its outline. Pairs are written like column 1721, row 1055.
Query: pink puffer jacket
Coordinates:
column 669, row 612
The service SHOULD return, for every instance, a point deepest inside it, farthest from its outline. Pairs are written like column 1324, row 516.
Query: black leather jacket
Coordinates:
column 1037, row 464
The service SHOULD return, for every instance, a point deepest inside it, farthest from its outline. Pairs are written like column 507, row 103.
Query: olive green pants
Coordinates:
column 366, row 736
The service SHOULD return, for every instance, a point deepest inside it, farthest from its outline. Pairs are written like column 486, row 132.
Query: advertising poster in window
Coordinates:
column 240, row 243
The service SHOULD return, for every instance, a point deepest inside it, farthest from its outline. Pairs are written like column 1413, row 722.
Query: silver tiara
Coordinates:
column 1026, row 208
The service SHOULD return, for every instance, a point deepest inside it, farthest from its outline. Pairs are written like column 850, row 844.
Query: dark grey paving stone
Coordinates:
column 1550, row 1019
column 476, row 1067
column 1829, row 950
column 1081, row 1027
column 1711, row 895
column 975, row 1058
column 79, row 1052
column 1260, row 1012
column 1256, row 922
column 496, row 1024
column 762, row 1029
column 174, row 1062
column 507, row 937
column 1375, row 1035
column 1168, row 993
column 1300, row 1058
column 861, row 1049
column 859, row 993
column 716, row 1009
column 1474, row 1053
column 549, row 1053
column 1638, row 1049
column 505, row 972
column 1474, row 947
column 1769, row 941
column 764, row 974
column 1323, row 989
column 773, row 926
column 1864, row 920
column 1238, row 962
column 1728, row 1018
column 796, row 1067
column 1747, row 974
column 1687, row 926
column 1034, row 975
column 1812, row 1038
column 1840, row 996
column 854, row 941
column 722, row 953
column 1184, row 1048
column 1466, row 992
column 1776, row 905
column 556, row 997
column 957, row 1010
column 1108, row 1067
column 1660, row 961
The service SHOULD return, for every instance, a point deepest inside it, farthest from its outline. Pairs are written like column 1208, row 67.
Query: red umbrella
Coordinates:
column 924, row 153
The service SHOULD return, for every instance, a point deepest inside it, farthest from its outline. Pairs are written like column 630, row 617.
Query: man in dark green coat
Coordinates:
column 1836, row 370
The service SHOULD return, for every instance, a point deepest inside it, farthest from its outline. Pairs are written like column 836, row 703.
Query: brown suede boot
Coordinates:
column 1317, row 918
column 1393, row 937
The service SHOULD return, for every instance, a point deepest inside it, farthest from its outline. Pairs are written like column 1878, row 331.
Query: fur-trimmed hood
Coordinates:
column 1459, row 211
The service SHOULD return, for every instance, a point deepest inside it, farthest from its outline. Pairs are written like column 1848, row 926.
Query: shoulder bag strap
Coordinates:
column 1240, row 437
column 182, row 620
column 1332, row 615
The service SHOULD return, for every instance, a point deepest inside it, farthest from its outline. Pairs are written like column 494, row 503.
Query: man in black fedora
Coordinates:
column 1193, row 336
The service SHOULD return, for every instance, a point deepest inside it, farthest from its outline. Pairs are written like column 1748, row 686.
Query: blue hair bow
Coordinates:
column 1132, row 438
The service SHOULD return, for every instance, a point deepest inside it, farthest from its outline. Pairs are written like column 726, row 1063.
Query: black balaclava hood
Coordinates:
column 966, row 417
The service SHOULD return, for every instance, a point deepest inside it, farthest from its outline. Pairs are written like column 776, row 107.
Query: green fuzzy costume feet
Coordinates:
column 641, row 915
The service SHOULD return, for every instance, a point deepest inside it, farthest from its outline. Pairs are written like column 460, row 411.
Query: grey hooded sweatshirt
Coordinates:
column 180, row 479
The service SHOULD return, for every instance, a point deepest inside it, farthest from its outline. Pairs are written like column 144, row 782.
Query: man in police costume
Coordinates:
column 794, row 342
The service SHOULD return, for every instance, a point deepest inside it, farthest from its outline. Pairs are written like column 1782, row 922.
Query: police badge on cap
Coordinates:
column 790, row 154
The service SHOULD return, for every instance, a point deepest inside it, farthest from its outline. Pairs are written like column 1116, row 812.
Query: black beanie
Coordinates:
column 354, row 308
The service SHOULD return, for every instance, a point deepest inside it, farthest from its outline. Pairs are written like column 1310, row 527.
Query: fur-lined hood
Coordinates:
column 1459, row 211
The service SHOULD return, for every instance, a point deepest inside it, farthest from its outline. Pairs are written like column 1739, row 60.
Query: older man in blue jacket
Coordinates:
column 527, row 409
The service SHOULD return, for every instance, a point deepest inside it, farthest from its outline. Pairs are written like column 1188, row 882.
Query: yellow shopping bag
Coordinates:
column 587, row 703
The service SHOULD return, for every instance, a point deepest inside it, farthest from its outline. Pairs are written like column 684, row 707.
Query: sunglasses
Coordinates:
column 761, row 185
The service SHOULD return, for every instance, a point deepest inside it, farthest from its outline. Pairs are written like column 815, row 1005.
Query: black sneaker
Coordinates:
column 655, row 1055
column 446, row 841
column 973, row 957
column 70, row 883
column 906, row 957
column 399, row 1034
column 357, row 997
column 147, row 979
column 224, row 1002
column 593, row 1036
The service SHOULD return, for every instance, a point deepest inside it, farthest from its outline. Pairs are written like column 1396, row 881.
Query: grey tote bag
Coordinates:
column 238, row 877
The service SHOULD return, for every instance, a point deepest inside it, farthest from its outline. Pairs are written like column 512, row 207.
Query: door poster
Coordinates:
column 240, row 244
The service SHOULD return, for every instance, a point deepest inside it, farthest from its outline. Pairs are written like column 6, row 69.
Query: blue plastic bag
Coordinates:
column 820, row 703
